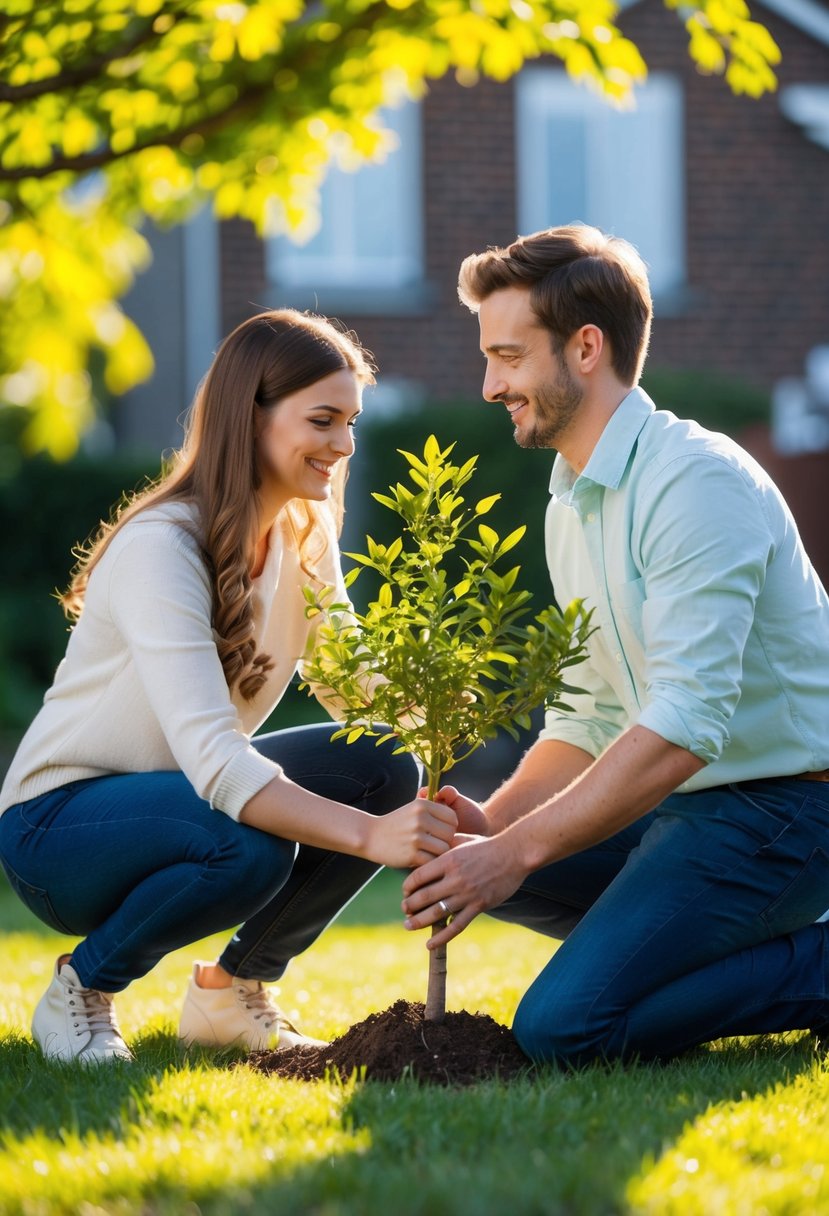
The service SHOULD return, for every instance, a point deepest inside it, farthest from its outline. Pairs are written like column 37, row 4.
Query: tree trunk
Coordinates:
column 436, row 989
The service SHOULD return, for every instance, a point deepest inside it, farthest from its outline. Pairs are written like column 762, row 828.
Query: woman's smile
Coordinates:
column 326, row 469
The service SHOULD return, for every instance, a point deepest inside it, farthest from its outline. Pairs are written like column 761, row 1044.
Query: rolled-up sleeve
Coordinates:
column 704, row 543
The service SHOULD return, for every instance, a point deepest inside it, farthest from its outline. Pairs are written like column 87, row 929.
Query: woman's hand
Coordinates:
column 411, row 835
column 472, row 820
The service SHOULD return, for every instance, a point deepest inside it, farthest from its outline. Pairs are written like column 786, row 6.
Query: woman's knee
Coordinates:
column 377, row 779
column 403, row 778
column 255, row 860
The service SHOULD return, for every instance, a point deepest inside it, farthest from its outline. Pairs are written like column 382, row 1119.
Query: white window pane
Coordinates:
column 567, row 158
column 580, row 159
column 371, row 221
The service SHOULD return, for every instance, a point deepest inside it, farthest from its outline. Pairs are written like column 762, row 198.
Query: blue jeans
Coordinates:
column 139, row 865
column 695, row 923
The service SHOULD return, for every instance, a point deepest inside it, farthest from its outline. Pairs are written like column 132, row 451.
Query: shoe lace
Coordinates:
column 258, row 1002
column 94, row 1011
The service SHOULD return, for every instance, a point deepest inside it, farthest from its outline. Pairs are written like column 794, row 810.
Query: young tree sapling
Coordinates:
column 440, row 661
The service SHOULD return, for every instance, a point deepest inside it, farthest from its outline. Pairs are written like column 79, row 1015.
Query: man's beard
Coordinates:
column 555, row 405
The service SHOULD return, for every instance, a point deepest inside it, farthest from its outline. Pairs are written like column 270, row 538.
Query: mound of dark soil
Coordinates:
column 465, row 1048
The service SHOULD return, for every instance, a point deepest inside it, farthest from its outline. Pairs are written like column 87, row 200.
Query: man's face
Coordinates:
column 525, row 371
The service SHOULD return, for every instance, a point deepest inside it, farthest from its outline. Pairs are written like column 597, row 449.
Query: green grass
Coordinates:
column 740, row 1128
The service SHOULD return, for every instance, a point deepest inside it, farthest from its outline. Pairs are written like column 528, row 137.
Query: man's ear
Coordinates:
column 588, row 344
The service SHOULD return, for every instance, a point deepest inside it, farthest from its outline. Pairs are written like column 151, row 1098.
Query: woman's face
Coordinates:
column 305, row 436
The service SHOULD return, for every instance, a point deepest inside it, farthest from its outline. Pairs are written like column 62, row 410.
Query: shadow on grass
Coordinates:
column 54, row 1097
column 49, row 1097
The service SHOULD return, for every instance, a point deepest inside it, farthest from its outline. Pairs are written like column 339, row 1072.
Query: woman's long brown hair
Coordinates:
column 268, row 357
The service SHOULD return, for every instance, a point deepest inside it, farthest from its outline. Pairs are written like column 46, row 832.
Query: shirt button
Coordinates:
column 591, row 517
column 618, row 657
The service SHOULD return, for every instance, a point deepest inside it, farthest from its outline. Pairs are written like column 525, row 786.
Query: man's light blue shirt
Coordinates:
column 713, row 627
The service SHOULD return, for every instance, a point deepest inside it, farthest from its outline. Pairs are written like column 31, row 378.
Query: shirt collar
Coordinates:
column 611, row 455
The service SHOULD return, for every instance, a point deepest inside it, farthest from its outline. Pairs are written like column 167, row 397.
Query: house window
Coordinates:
column 370, row 240
column 622, row 170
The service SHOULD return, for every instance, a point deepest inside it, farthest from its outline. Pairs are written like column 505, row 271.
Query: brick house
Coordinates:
column 726, row 197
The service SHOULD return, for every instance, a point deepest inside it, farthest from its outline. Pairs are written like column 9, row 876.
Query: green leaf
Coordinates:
column 362, row 559
column 414, row 461
column 386, row 501
column 489, row 537
column 501, row 656
column 432, row 453
column 486, row 504
column 509, row 542
column 395, row 549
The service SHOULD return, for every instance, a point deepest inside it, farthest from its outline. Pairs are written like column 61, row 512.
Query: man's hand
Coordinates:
column 472, row 820
column 477, row 874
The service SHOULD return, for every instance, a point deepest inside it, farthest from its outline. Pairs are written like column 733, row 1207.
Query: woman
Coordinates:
column 137, row 812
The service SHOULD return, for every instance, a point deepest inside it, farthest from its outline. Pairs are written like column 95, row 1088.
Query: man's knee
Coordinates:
column 560, row 1032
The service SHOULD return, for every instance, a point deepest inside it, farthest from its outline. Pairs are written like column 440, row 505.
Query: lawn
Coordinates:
column 740, row 1128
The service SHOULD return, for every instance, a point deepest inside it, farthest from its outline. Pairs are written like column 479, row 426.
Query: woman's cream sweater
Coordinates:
column 141, row 687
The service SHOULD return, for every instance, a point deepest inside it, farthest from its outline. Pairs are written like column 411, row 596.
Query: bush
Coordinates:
column 46, row 510
column 716, row 401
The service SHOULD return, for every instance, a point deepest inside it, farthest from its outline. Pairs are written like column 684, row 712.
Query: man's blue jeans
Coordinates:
column 695, row 923
column 139, row 865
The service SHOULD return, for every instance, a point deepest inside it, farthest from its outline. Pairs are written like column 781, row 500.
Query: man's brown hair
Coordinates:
column 576, row 275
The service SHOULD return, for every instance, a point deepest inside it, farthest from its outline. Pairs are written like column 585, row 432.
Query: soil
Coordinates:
column 463, row 1049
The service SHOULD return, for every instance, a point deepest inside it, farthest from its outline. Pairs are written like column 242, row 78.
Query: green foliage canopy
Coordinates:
column 116, row 110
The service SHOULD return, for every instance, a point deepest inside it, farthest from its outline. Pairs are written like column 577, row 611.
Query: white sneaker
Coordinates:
column 76, row 1023
column 242, row 1015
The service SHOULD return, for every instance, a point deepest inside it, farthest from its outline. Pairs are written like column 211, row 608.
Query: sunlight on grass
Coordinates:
column 182, row 1126
column 763, row 1153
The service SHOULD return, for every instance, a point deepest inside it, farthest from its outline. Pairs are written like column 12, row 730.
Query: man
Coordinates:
column 674, row 828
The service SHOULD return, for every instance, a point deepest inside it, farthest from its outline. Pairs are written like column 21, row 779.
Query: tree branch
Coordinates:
column 71, row 77
column 106, row 156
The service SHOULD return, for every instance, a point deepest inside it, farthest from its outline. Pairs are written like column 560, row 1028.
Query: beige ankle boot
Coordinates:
column 76, row 1023
column 242, row 1015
